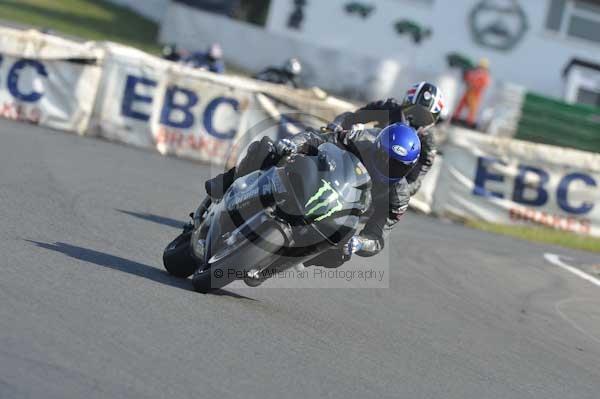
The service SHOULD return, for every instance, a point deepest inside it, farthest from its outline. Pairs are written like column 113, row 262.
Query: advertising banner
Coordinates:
column 509, row 181
column 47, row 81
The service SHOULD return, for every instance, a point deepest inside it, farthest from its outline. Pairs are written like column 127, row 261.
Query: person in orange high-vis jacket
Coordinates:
column 477, row 80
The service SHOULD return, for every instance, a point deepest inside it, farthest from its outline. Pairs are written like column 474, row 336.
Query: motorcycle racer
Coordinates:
column 388, row 155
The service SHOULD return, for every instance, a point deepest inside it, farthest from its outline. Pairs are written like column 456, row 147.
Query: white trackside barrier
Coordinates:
column 510, row 181
column 47, row 80
column 126, row 95
column 152, row 103
column 123, row 94
column 423, row 199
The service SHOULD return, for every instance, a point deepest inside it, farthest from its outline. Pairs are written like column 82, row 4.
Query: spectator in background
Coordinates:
column 170, row 53
column 288, row 74
column 211, row 60
column 476, row 80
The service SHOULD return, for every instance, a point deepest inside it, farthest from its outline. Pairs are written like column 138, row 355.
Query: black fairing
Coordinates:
column 320, row 198
column 331, row 190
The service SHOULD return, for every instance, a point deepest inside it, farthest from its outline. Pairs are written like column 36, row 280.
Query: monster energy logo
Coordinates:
column 329, row 199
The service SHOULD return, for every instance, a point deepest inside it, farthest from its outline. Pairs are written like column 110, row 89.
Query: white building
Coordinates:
column 529, row 42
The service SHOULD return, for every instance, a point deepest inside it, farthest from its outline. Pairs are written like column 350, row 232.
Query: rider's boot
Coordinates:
column 204, row 205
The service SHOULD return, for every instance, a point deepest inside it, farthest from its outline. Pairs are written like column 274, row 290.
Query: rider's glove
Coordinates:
column 356, row 128
column 354, row 245
column 353, row 132
column 286, row 147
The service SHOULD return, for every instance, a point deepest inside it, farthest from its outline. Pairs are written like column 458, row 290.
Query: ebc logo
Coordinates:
column 179, row 109
column 21, row 72
column 532, row 187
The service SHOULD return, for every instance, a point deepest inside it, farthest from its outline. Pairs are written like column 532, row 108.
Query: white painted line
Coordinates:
column 555, row 260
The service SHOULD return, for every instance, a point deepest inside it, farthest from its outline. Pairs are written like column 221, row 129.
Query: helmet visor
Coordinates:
column 391, row 167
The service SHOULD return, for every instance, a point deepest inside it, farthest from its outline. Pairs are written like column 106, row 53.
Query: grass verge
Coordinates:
column 540, row 234
column 87, row 19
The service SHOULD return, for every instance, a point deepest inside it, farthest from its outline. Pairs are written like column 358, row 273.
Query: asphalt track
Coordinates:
column 86, row 310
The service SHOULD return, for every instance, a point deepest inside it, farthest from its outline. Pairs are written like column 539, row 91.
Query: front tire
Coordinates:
column 204, row 282
column 234, row 266
column 177, row 257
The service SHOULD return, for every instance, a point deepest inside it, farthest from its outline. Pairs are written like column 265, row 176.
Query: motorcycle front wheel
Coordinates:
column 234, row 266
column 177, row 257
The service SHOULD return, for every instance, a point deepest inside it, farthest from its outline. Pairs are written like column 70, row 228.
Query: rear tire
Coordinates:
column 177, row 257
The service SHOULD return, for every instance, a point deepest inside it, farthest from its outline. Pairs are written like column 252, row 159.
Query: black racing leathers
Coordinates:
column 389, row 201
column 426, row 158
column 386, row 112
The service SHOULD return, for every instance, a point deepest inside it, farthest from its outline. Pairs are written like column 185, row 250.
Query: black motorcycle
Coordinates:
column 271, row 220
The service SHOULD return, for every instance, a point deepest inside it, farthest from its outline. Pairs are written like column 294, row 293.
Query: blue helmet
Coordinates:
column 397, row 149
